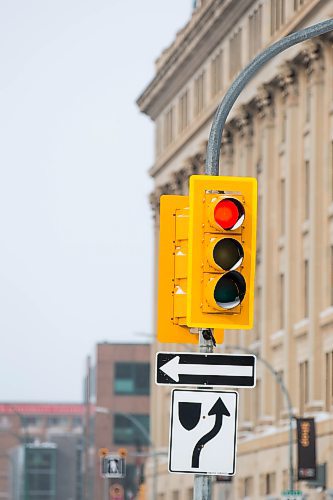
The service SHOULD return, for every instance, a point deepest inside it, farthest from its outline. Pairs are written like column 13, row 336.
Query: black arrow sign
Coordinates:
column 219, row 409
column 180, row 368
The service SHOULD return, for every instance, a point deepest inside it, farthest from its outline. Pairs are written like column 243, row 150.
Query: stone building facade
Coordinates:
column 280, row 131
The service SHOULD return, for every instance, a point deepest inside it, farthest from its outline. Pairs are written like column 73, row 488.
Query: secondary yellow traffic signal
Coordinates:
column 172, row 271
column 172, row 325
column 221, row 252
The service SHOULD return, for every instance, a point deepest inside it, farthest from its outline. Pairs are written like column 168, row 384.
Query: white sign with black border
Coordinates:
column 203, row 430
column 183, row 368
column 113, row 466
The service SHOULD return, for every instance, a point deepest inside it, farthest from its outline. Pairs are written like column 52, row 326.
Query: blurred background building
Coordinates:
column 24, row 430
column 280, row 131
column 117, row 404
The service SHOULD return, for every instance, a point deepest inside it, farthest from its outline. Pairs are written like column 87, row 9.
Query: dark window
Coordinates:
column 126, row 432
column 77, row 421
column 30, row 421
column 40, row 473
column 131, row 378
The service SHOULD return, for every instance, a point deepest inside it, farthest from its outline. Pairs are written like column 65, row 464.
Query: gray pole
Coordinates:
column 105, row 489
column 203, row 483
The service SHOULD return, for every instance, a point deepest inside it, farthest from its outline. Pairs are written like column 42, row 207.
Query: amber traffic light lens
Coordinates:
column 228, row 254
column 230, row 290
column 229, row 213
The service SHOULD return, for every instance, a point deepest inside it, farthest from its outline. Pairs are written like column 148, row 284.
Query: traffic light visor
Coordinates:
column 230, row 290
column 229, row 213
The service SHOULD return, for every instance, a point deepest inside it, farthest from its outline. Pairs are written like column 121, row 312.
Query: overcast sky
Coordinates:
column 75, row 223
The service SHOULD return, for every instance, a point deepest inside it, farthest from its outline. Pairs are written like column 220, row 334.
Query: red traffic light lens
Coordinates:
column 229, row 213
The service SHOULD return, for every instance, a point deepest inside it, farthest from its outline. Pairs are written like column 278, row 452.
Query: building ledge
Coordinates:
column 326, row 316
column 301, row 327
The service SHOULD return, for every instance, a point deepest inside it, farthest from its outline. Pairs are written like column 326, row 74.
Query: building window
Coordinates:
column 158, row 137
column 235, row 53
column 168, row 127
column 329, row 380
column 331, row 273
column 282, row 207
column 278, row 397
column 132, row 378
column 175, row 495
column 306, row 288
column 284, row 126
column 30, row 421
column 257, row 401
column 255, row 22
column 277, row 15
column 183, row 111
column 307, row 103
column 298, row 4
column 40, row 473
column 285, row 479
column 258, row 306
column 77, row 422
column 189, row 495
column 126, row 432
column 57, row 421
column 303, row 386
column 216, row 74
column 331, row 173
column 281, row 301
column 306, row 189
column 248, row 487
column 270, row 480
column 199, row 93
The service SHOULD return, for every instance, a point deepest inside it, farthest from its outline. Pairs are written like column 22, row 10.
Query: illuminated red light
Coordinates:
column 229, row 213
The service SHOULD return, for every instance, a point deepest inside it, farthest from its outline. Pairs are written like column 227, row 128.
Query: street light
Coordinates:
column 145, row 433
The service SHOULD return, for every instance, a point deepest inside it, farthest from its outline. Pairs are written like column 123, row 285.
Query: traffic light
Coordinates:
column 221, row 252
column 172, row 325
column 172, row 274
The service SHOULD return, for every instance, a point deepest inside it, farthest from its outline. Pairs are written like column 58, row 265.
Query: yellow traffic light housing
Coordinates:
column 172, row 325
column 221, row 252
column 172, row 275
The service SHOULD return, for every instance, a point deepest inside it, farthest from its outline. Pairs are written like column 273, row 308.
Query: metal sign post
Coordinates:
column 203, row 483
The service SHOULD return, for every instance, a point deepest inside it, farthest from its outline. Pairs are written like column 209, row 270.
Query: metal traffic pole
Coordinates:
column 106, row 489
column 203, row 482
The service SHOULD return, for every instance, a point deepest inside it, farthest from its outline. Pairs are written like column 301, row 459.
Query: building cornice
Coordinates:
column 189, row 51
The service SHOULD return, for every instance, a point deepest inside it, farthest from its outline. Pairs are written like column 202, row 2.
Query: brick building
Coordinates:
column 117, row 384
column 22, row 423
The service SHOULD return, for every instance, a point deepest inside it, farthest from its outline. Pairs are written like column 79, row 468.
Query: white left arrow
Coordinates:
column 174, row 368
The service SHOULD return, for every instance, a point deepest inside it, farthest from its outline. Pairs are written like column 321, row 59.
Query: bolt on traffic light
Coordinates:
column 222, row 251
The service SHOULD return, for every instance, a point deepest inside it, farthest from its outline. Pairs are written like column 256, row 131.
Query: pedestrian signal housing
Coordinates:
column 221, row 251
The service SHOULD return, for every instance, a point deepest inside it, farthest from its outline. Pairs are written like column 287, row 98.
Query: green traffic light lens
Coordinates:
column 230, row 290
column 228, row 254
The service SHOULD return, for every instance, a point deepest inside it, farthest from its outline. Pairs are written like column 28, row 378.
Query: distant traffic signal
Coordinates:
column 221, row 251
